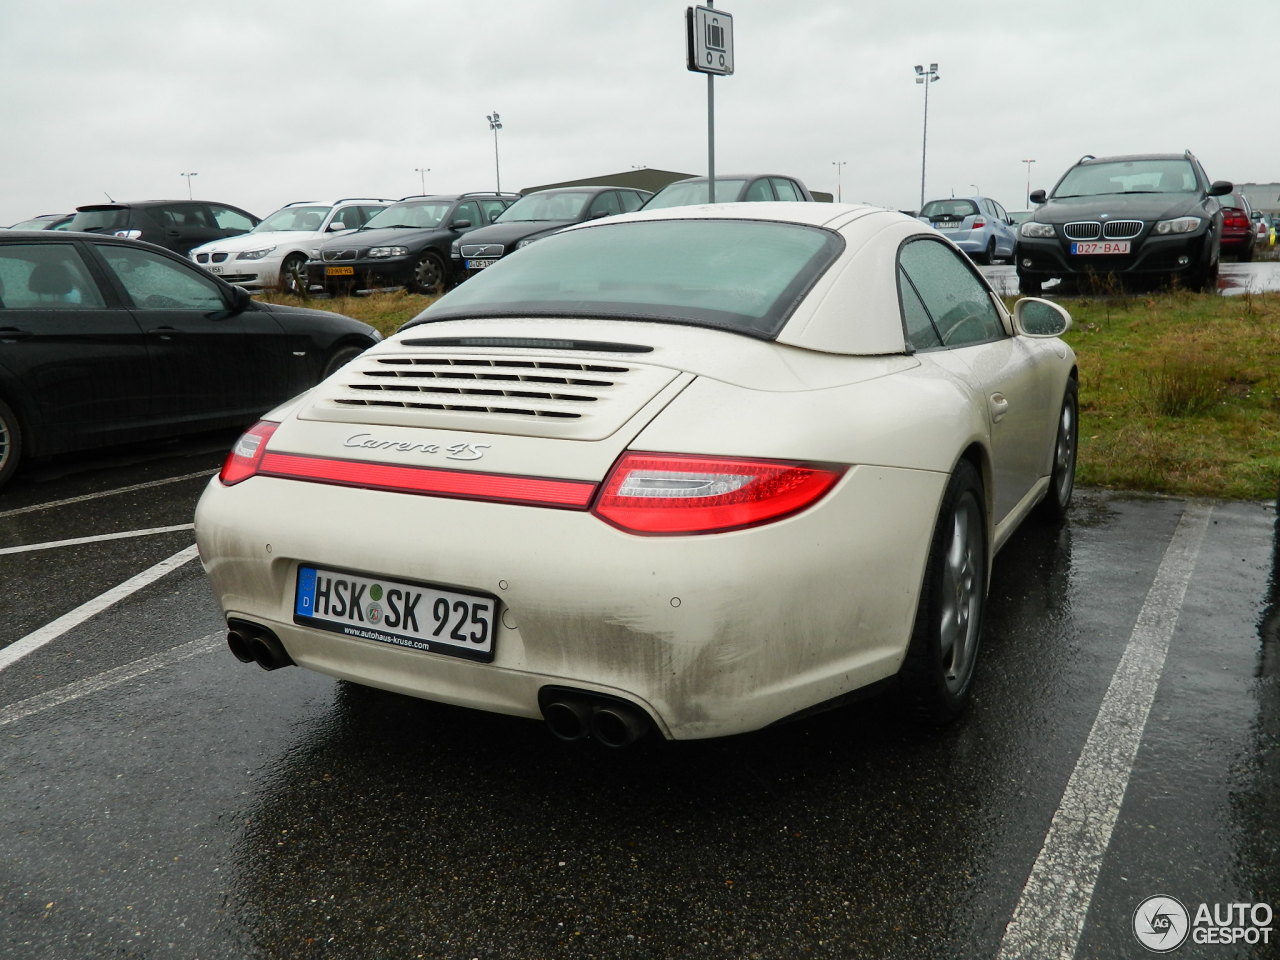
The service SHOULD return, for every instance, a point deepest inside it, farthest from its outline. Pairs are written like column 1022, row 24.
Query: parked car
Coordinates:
column 1148, row 216
column 46, row 221
column 1239, row 234
column 1262, row 227
column 977, row 225
column 105, row 340
column 537, row 215
column 178, row 225
column 273, row 256
column 730, row 187
column 693, row 470
column 407, row 244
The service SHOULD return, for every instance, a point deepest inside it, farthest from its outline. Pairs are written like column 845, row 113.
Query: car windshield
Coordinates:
column 293, row 218
column 741, row 275
column 410, row 213
column 949, row 209
column 685, row 192
column 553, row 205
column 1127, row 176
column 1232, row 201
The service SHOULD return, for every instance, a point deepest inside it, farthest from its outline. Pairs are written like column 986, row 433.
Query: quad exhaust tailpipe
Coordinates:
column 574, row 715
column 251, row 643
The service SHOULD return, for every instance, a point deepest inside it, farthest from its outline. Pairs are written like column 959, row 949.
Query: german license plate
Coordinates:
column 1085, row 248
column 215, row 269
column 413, row 615
column 947, row 224
column 478, row 264
column 339, row 271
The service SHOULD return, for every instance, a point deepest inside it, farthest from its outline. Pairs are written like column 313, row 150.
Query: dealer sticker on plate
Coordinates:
column 414, row 615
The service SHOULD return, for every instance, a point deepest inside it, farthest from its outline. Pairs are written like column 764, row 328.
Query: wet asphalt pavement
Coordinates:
column 159, row 799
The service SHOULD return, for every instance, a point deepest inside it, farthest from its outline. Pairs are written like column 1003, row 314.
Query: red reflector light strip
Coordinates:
column 428, row 481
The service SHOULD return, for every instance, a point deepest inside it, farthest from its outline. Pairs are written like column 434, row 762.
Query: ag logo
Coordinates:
column 1161, row 924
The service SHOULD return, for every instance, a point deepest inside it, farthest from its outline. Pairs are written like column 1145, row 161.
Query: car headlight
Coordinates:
column 1180, row 225
column 1039, row 230
column 254, row 254
column 380, row 253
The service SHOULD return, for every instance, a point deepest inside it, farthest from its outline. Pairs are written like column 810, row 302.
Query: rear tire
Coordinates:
column 989, row 256
column 937, row 674
column 10, row 443
column 1062, row 480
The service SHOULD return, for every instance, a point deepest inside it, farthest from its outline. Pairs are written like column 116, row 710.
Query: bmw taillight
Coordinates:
column 246, row 456
column 651, row 493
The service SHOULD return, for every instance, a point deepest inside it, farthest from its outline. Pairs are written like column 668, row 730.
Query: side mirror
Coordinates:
column 1037, row 318
column 336, row 225
column 1221, row 188
column 1037, row 196
column 460, row 225
column 240, row 301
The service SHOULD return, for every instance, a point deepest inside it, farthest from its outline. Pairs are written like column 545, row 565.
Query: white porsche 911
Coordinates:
column 693, row 470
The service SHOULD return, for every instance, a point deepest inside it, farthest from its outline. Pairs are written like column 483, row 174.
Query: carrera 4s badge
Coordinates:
column 454, row 451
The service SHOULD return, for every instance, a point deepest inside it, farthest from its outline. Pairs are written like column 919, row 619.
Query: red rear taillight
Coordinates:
column 655, row 493
column 978, row 224
column 246, row 456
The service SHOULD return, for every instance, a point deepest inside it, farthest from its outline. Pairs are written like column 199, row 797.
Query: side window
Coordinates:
column 958, row 303
column 228, row 219
column 759, row 190
column 1000, row 212
column 45, row 276
column 604, row 205
column 188, row 215
column 787, row 189
column 155, row 282
column 631, row 200
column 470, row 210
column 921, row 334
column 492, row 208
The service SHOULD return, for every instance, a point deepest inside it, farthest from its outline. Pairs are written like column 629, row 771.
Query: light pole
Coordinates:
column 190, row 195
column 976, row 192
column 839, row 165
column 422, row 175
column 926, row 77
column 1028, row 163
column 495, row 124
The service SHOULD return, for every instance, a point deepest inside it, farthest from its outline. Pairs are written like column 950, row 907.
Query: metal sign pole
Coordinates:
column 711, row 133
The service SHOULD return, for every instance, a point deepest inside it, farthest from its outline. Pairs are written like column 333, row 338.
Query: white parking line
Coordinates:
column 54, row 544
column 51, row 631
column 104, row 493
column 102, row 681
column 1050, row 915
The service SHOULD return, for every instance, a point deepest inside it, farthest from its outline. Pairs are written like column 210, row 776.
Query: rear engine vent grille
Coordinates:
column 506, row 387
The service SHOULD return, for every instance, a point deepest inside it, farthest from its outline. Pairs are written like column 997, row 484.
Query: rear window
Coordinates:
column 111, row 218
column 741, row 275
column 949, row 209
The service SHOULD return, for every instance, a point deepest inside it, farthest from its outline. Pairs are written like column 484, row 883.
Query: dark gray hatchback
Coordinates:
column 178, row 225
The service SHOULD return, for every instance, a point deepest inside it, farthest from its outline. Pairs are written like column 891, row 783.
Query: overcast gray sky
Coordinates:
column 271, row 101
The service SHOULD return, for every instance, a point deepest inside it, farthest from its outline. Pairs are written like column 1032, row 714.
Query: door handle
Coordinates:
column 163, row 333
column 998, row 406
